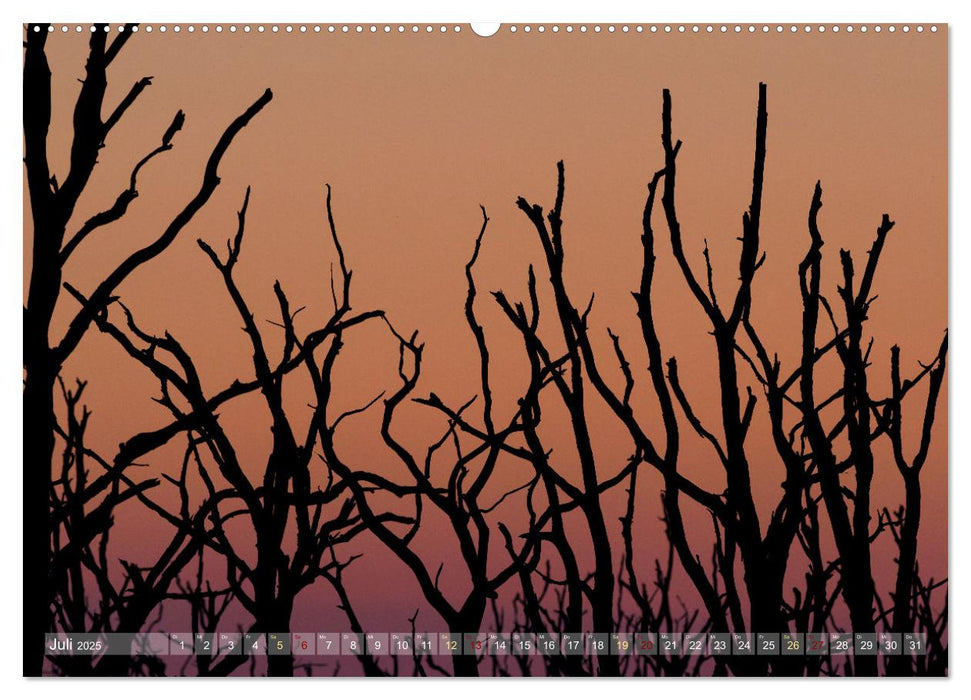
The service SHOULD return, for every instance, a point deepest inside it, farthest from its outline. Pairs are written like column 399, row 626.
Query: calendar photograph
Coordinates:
column 443, row 350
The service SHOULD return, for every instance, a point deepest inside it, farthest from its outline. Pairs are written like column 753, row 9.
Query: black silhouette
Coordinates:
column 52, row 206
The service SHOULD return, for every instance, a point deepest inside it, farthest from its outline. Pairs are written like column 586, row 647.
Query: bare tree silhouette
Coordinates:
column 573, row 324
column 52, row 206
column 287, row 491
column 765, row 557
column 908, row 587
column 863, row 419
column 458, row 497
column 805, row 449
column 88, row 595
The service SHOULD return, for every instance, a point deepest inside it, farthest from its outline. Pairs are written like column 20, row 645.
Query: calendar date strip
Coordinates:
column 486, row 644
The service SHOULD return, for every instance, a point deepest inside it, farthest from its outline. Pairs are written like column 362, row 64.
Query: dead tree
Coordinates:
column 571, row 389
column 805, row 449
column 584, row 369
column 287, row 492
column 55, row 238
column 903, row 619
column 91, row 591
column 764, row 551
column 863, row 420
column 459, row 496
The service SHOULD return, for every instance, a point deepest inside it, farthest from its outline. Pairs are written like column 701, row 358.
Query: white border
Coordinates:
column 509, row 11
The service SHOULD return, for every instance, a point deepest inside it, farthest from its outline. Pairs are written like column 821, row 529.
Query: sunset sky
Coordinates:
column 413, row 133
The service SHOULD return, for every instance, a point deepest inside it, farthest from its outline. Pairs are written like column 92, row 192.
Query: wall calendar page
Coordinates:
column 441, row 350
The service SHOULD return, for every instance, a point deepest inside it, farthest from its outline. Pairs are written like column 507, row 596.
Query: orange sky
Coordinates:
column 413, row 132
